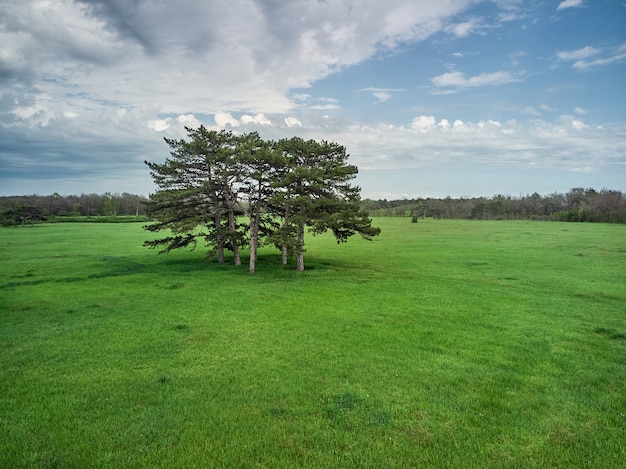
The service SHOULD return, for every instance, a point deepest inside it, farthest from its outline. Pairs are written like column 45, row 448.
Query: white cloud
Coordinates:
column 325, row 107
column 188, row 120
column 327, row 104
column 160, row 125
column 292, row 122
column 570, row 121
column 507, row 17
column 450, row 79
column 301, row 97
column 569, row 4
column 224, row 119
column 615, row 56
column 423, row 123
column 492, row 123
column 458, row 80
column 516, row 56
column 578, row 54
column 175, row 124
column 465, row 28
column 258, row 119
column 546, row 107
column 382, row 94
column 531, row 111
column 580, row 111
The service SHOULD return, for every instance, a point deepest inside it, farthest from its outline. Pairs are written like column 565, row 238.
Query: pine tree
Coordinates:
column 316, row 192
column 197, row 189
column 261, row 163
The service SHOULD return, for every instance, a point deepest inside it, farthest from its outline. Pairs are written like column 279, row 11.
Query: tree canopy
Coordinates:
column 214, row 180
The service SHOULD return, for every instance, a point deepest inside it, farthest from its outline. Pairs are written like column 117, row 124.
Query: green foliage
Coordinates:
column 7, row 220
column 22, row 215
column 110, row 204
column 439, row 344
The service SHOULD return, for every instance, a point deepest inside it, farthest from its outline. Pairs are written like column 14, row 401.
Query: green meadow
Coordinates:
column 445, row 344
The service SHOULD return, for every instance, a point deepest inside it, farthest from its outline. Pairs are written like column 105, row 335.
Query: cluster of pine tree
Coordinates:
column 213, row 181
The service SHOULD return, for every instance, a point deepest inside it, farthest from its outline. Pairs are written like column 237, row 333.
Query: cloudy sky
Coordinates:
column 430, row 98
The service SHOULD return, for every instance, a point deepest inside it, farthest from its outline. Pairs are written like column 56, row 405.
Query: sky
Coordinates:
column 460, row 98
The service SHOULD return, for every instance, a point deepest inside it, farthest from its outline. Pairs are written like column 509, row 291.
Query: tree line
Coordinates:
column 235, row 191
column 577, row 205
column 85, row 205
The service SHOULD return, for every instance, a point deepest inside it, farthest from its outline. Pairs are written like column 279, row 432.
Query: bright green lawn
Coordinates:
column 439, row 344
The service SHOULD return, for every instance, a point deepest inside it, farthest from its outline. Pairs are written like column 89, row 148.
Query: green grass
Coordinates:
column 439, row 344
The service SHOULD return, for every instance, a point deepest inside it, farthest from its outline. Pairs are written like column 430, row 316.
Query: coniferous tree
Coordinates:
column 261, row 163
column 316, row 192
column 196, row 190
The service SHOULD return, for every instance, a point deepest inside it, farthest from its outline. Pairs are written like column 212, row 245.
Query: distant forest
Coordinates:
column 85, row 205
column 577, row 205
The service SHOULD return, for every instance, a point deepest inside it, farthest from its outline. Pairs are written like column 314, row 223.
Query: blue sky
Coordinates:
column 458, row 98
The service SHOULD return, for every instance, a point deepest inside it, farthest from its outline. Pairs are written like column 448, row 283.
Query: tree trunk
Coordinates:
column 217, row 219
column 253, row 246
column 285, row 254
column 229, row 199
column 254, row 237
column 300, row 249
column 255, row 224
column 235, row 245
column 285, row 248
column 220, row 251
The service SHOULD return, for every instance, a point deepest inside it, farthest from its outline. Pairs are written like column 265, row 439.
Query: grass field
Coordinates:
column 439, row 344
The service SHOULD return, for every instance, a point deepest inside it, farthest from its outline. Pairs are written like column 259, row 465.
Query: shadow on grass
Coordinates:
column 350, row 411
column 269, row 267
column 120, row 267
column 610, row 333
